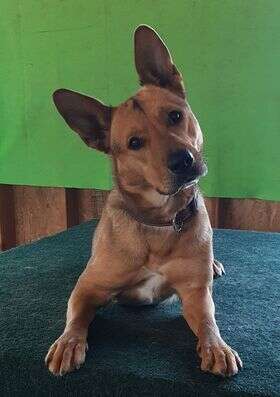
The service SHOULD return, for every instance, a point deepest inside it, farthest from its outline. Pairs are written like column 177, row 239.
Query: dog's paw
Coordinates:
column 218, row 269
column 219, row 359
column 66, row 353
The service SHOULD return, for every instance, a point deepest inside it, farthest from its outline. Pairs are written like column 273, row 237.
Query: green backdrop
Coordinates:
column 228, row 51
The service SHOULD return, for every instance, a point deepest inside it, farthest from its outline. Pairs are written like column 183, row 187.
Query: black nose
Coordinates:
column 180, row 162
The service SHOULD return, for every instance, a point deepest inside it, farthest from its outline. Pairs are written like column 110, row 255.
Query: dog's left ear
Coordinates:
column 154, row 63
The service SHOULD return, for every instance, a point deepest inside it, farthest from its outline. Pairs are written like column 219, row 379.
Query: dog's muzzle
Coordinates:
column 180, row 162
column 184, row 167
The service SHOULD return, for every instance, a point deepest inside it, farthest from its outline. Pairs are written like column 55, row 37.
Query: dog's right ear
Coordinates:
column 87, row 116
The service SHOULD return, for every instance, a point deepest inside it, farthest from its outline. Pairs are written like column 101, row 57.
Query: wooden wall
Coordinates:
column 29, row 213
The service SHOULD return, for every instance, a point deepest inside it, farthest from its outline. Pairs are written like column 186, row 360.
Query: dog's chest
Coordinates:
column 161, row 248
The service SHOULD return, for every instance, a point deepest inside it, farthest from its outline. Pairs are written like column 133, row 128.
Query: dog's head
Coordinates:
column 153, row 138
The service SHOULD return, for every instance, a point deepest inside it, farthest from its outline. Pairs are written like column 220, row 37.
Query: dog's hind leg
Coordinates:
column 218, row 269
column 150, row 291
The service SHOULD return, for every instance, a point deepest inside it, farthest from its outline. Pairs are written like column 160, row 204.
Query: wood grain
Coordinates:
column 249, row 214
column 91, row 203
column 72, row 207
column 213, row 206
column 84, row 204
column 39, row 212
column 29, row 213
column 7, row 218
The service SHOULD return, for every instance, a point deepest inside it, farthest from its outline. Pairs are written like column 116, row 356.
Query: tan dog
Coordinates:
column 154, row 238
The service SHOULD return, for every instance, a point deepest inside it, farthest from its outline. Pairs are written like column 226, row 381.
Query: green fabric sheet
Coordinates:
column 147, row 352
column 227, row 50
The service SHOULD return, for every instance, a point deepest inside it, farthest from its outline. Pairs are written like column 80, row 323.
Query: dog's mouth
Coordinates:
column 177, row 189
column 185, row 181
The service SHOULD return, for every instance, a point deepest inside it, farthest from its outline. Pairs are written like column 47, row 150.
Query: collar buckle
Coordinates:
column 185, row 215
column 177, row 223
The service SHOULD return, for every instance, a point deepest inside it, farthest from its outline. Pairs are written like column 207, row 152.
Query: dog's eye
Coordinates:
column 135, row 143
column 174, row 117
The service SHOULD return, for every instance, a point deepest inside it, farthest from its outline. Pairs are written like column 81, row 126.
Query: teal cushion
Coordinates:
column 138, row 352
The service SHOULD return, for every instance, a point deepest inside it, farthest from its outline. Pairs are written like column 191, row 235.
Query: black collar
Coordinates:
column 181, row 218
column 185, row 215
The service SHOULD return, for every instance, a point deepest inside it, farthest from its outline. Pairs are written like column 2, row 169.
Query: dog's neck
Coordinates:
column 152, row 208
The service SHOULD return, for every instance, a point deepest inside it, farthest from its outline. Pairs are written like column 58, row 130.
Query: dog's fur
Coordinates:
column 133, row 262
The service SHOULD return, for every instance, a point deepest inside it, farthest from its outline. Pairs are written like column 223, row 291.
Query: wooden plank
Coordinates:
column 72, row 206
column 29, row 213
column 249, row 214
column 212, row 205
column 91, row 203
column 7, row 218
column 39, row 212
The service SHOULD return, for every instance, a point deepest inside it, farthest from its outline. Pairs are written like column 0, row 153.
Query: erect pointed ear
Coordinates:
column 86, row 116
column 154, row 63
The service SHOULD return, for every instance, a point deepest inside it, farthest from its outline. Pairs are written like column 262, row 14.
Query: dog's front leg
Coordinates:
column 68, row 351
column 199, row 311
column 95, row 287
